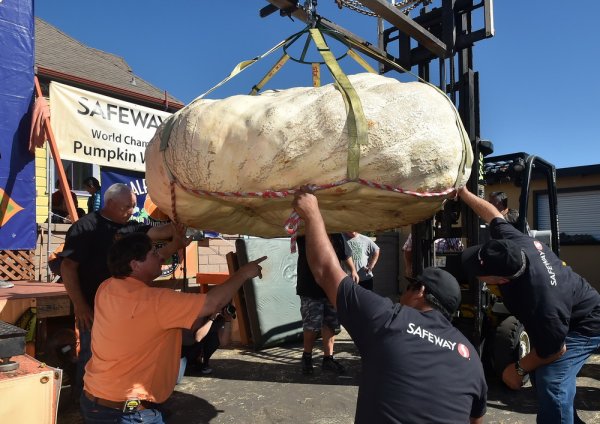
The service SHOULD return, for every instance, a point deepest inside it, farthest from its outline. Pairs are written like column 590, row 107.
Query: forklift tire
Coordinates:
column 510, row 343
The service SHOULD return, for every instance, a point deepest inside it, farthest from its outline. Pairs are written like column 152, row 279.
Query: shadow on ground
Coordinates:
column 267, row 386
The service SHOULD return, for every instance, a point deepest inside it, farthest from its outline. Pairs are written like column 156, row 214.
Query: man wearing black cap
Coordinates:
column 417, row 368
column 559, row 309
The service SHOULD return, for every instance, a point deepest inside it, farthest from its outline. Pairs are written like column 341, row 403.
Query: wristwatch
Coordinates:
column 520, row 371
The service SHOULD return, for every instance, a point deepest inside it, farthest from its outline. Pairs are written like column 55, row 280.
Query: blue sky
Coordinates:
column 538, row 75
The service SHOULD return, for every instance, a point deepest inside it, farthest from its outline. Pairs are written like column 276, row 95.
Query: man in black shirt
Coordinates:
column 559, row 309
column 317, row 312
column 417, row 367
column 84, row 259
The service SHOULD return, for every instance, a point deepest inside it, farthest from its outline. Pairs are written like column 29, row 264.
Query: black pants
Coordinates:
column 367, row 284
column 204, row 348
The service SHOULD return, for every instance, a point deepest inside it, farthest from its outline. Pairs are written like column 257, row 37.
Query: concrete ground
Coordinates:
column 268, row 387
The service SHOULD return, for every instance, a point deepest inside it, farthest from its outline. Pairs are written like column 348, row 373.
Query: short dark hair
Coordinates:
column 131, row 247
column 429, row 298
column 500, row 197
column 92, row 183
column 435, row 304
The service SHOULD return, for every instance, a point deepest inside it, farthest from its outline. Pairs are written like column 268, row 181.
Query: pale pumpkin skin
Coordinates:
column 285, row 139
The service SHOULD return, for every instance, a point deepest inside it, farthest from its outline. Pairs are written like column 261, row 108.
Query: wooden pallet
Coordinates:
column 17, row 265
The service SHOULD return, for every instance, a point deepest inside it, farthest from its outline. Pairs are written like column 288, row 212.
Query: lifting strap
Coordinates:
column 467, row 155
column 356, row 120
column 276, row 68
column 361, row 61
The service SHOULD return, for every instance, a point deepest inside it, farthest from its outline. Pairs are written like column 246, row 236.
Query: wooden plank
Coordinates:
column 240, row 304
column 387, row 12
column 57, row 306
column 204, row 279
column 406, row 25
column 11, row 310
column 32, row 289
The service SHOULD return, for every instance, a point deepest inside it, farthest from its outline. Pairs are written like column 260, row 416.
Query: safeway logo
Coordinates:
column 540, row 248
column 463, row 351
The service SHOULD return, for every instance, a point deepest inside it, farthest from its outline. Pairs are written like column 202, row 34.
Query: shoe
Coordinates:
column 307, row 365
column 205, row 369
column 330, row 364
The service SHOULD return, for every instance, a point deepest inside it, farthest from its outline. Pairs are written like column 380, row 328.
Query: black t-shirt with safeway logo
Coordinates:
column 416, row 367
column 550, row 299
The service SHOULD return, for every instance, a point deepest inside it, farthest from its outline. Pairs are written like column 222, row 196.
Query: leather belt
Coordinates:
column 144, row 404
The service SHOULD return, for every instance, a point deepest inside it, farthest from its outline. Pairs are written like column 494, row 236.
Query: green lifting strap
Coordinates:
column 467, row 155
column 356, row 120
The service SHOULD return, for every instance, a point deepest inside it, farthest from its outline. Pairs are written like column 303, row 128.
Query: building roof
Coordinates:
column 62, row 58
column 578, row 171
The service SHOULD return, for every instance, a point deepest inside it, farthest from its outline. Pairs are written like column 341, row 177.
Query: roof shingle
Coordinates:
column 61, row 54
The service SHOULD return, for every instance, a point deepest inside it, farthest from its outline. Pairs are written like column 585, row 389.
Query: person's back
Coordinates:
column 417, row 367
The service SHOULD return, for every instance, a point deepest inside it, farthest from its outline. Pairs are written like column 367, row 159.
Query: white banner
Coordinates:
column 93, row 128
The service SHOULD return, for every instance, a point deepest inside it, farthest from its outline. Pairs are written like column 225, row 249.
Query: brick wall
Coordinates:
column 211, row 254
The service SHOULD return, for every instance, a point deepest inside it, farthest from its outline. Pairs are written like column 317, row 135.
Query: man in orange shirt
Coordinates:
column 136, row 337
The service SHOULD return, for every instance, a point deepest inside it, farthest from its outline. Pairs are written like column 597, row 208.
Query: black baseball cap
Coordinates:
column 442, row 285
column 501, row 258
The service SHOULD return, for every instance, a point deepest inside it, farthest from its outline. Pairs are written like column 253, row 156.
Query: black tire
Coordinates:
column 510, row 342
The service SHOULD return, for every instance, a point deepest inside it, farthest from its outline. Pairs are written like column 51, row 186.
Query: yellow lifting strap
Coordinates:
column 361, row 61
column 276, row 68
column 356, row 120
column 467, row 155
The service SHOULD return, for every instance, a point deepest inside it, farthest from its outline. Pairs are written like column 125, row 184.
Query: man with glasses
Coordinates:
column 84, row 268
column 559, row 309
column 417, row 367
column 137, row 331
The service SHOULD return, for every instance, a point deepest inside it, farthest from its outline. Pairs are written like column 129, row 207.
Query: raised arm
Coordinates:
column 218, row 296
column 162, row 232
column 178, row 240
column 484, row 209
column 322, row 260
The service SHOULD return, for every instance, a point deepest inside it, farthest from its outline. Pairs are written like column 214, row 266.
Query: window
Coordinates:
column 76, row 172
column 578, row 217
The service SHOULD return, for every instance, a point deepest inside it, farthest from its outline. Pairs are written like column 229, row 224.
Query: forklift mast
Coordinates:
column 437, row 37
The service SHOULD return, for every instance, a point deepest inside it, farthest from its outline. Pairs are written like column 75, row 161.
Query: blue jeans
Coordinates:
column 85, row 353
column 555, row 383
column 97, row 414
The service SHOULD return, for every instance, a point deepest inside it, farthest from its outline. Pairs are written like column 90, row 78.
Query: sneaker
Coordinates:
column 330, row 364
column 307, row 365
column 205, row 369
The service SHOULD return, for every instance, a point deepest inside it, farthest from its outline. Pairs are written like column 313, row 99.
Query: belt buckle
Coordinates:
column 131, row 405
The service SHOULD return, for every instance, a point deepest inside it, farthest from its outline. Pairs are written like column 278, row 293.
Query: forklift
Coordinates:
column 437, row 38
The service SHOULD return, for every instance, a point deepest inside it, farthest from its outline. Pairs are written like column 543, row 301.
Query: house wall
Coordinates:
column 212, row 252
column 41, row 182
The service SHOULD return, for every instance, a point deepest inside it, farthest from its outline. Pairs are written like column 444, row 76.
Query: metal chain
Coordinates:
column 357, row 7
column 405, row 5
